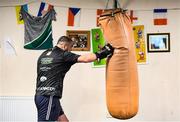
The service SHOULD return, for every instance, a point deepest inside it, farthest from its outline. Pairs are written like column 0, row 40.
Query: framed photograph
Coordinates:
column 158, row 42
column 81, row 39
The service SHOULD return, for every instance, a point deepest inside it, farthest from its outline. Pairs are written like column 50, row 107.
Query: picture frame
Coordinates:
column 81, row 39
column 158, row 42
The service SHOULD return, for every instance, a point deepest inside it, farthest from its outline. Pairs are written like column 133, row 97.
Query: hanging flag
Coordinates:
column 140, row 44
column 133, row 16
column 98, row 42
column 160, row 16
column 99, row 12
column 38, row 35
column 44, row 8
column 18, row 15
column 74, row 16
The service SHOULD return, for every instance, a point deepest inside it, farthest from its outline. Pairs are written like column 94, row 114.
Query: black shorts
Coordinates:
column 48, row 108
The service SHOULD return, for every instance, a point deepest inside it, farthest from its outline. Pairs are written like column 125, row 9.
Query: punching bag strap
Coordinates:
column 116, row 4
column 112, row 12
column 116, row 9
column 107, row 4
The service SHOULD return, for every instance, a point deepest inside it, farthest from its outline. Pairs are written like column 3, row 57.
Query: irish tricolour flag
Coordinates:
column 74, row 16
column 160, row 16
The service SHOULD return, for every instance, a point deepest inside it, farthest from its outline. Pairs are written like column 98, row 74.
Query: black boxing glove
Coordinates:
column 106, row 51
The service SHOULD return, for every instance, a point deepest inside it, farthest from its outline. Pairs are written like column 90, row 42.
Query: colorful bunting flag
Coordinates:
column 74, row 16
column 99, row 12
column 44, row 7
column 160, row 16
column 18, row 15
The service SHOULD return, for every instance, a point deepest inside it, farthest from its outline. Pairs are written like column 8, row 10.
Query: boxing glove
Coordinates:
column 106, row 51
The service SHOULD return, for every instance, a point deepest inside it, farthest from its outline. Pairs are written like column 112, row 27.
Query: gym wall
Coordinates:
column 84, row 87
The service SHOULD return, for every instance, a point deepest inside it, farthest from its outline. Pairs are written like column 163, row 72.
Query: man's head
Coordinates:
column 65, row 43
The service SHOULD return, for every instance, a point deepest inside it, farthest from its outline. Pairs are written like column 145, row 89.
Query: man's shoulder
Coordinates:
column 44, row 53
column 68, row 53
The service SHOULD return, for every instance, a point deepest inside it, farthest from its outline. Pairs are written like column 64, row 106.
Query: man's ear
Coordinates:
column 64, row 46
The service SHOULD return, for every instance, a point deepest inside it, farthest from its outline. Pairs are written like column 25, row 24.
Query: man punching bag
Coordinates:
column 121, row 71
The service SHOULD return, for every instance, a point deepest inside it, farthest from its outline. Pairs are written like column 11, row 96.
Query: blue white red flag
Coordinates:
column 44, row 7
column 74, row 16
column 160, row 16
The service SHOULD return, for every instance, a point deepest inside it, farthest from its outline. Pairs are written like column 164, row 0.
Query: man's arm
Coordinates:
column 103, row 53
column 86, row 58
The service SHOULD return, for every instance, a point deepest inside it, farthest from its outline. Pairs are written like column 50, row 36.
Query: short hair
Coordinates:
column 65, row 39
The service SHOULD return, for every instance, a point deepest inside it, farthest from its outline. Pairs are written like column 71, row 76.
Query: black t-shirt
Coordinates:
column 52, row 66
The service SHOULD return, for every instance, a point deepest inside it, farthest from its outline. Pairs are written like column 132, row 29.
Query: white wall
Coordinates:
column 84, row 88
column 0, row 63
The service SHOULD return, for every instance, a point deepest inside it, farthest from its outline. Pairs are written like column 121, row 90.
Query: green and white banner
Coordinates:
column 98, row 42
column 43, row 41
column 38, row 30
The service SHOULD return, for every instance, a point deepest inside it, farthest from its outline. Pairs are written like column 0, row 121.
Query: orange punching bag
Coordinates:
column 122, row 92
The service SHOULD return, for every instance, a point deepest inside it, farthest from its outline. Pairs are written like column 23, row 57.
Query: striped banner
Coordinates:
column 44, row 8
column 160, row 16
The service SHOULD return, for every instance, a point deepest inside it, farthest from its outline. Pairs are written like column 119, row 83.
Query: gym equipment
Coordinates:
column 122, row 92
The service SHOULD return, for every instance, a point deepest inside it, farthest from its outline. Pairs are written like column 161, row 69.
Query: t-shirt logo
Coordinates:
column 43, row 78
column 46, row 60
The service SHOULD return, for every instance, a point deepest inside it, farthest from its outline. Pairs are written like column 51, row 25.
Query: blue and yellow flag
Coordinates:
column 18, row 15
column 140, row 44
